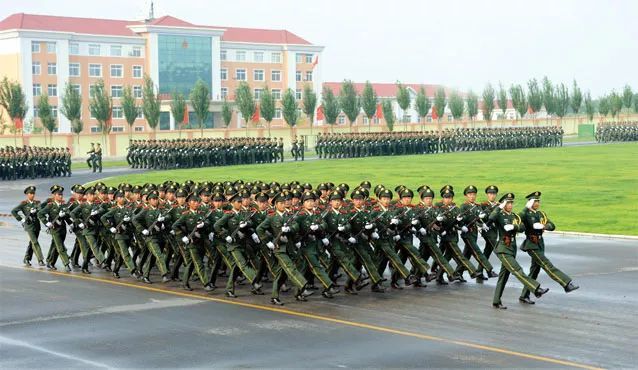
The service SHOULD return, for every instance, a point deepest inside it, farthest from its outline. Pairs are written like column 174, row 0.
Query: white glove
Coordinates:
column 172, row 232
column 414, row 222
column 240, row 235
column 368, row 226
column 298, row 244
column 285, row 229
column 352, row 240
column 325, row 241
column 423, row 231
column 439, row 218
column 485, row 227
column 126, row 219
column 314, row 227
column 270, row 246
column 61, row 214
column 482, row 215
column 229, row 239
column 33, row 210
column 23, row 221
column 464, row 229
column 396, row 238
column 394, row 221
column 341, row 228
column 255, row 238
column 113, row 230
column 200, row 225
column 160, row 218
column 374, row 235
column 508, row 227
column 459, row 218
column 283, row 239
column 243, row 224
column 211, row 236
column 538, row 226
column 145, row 232
column 530, row 203
column 94, row 212
column 502, row 204
column 81, row 225
column 185, row 240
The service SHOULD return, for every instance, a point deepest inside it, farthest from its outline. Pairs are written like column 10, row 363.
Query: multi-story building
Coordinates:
column 44, row 53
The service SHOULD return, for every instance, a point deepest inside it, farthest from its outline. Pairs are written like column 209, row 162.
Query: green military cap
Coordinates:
column 322, row 186
column 261, row 197
column 307, row 186
column 162, row 187
column 507, row 197
column 136, row 189
column 469, row 189
column 491, row 189
column 336, row 195
column 125, row 187
column 181, row 193
column 406, row 193
column 271, row 193
column 153, row 194
column 189, row 183
column 277, row 197
column 151, row 187
column 426, row 193
column 398, row 188
column 295, row 182
column 193, row 198
column 89, row 190
column 317, row 193
column 111, row 190
column 255, row 190
column 308, row 195
column 75, row 186
column 244, row 193
column 203, row 191
column 171, row 189
column 357, row 194
column 535, row 195
column 366, row 184
column 330, row 185
column 274, row 184
column 285, row 186
column 119, row 194
column 345, row 186
column 378, row 187
column 296, row 193
column 230, row 191
column 239, row 182
column 29, row 190
column 421, row 188
column 99, row 183
column 235, row 197
column 447, row 193
column 56, row 189
column 79, row 189
column 385, row 193
column 447, row 187
column 218, row 197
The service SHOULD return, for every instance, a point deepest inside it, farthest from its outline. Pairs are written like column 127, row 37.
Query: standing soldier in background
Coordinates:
column 29, row 220
column 97, row 163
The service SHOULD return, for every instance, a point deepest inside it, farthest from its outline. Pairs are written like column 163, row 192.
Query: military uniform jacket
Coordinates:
column 29, row 212
column 336, row 218
column 427, row 220
column 492, row 233
column 82, row 214
column 57, row 214
column 270, row 230
column 115, row 217
column 305, row 220
column 470, row 213
column 186, row 225
column 381, row 217
column 507, row 242
column 534, row 238
column 148, row 219
column 228, row 225
column 450, row 223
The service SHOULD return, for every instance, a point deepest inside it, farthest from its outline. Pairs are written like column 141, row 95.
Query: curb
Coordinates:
column 592, row 235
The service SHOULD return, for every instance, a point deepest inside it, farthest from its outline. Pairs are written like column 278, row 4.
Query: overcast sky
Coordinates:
column 462, row 44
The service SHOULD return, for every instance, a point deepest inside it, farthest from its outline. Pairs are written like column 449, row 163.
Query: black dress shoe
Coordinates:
column 257, row 291
column 429, row 277
column 68, row 268
column 571, row 286
column 442, row 282
column 376, row 288
column 86, row 271
column 147, row 280
column 41, row 263
column 492, row 274
column 301, row 298
column 327, row 294
column 276, row 301
column 187, row 287
column 306, row 293
column 230, row 294
column 350, row 291
column 481, row 278
column 312, row 287
column 116, row 275
column 107, row 268
column 540, row 291
column 499, row 306
column 76, row 265
column 209, row 287
column 362, row 284
column 165, row 279
column 26, row 262
column 256, row 286
column 526, row 300
column 284, row 288
column 461, row 279
column 50, row 266
column 333, row 290
column 395, row 285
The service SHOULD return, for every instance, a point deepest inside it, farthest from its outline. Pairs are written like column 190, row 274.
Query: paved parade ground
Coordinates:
column 60, row 320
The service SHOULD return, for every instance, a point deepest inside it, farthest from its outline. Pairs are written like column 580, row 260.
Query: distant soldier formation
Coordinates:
column 616, row 131
column 353, row 145
column 328, row 238
column 30, row 162
column 208, row 152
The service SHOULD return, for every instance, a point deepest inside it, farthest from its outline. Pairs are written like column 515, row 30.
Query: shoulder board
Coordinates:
column 271, row 212
column 23, row 202
column 228, row 211
column 343, row 212
column 184, row 212
column 485, row 204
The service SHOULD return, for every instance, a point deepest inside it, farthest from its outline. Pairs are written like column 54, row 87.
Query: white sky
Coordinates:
column 462, row 44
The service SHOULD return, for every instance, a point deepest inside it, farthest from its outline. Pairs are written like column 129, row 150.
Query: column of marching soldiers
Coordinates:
column 29, row 162
column 616, row 131
column 291, row 234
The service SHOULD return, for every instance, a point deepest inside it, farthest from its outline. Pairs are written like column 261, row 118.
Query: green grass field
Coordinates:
column 105, row 164
column 588, row 189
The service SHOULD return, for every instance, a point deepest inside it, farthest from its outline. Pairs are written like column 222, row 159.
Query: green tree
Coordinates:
column 349, row 101
column 615, row 104
column 178, row 110
column 457, row 106
column 403, row 100
column 519, row 100
column 577, row 98
column 422, row 105
column 13, row 100
column 227, row 113
column 488, row 102
column 150, row 103
column 440, row 102
column 502, row 99
column 267, row 106
column 200, row 101
column 101, row 106
column 72, row 109
column 289, row 109
column 45, row 113
column 589, row 107
column 309, row 104
column 636, row 103
column 245, row 102
column 331, row 107
column 627, row 97
column 369, row 102
column 561, row 100
column 130, row 109
column 603, row 106
column 534, row 96
column 472, row 105
column 548, row 95
column 388, row 114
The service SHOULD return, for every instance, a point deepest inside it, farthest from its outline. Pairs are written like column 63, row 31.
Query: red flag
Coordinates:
column 255, row 117
column 185, row 121
column 18, row 123
column 315, row 61
column 379, row 112
column 320, row 115
column 434, row 113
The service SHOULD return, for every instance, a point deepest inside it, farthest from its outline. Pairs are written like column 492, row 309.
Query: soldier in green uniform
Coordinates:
column 536, row 222
column 488, row 230
column 87, row 215
column 97, row 162
column 151, row 221
column 91, row 160
column 509, row 224
column 27, row 214
column 118, row 220
column 54, row 215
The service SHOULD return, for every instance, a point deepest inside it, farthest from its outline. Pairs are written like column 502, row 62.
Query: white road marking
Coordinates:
column 18, row 343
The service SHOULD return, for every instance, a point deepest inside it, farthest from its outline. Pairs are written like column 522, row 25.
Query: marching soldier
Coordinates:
column 118, row 220
column 54, row 215
column 488, row 230
column 27, row 214
column 151, row 221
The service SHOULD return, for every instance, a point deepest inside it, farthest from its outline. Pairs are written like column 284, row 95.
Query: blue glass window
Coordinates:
column 182, row 61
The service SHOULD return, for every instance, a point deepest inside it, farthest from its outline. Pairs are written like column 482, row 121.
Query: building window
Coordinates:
column 117, row 129
column 137, row 71
column 74, row 69
column 365, row 120
column 35, row 46
column 309, row 58
column 140, row 113
column 308, row 75
column 299, row 58
column 116, row 70
column 240, row 56
column 74, row 48
column 95, row 70
column 449, row 117
column 136, row 52
column 298, row 94
column 116, row 91
column 298, row 76
column 223, row 74
column 258, row 56
column 137, row 91
column 35, row 112
column 275, row 57
column 257, row 93
column 35, row 68
column 52, row 90
column 52, row 68
column 278, row 113
column 183, row 60
column 240, row 74
column 276, row 94
column 77, row 88
column 223, row 55
column 341, row 120
column 95, row 129
column 117, row 113
column 408, row 118
column 54, row 111
column 258, row 75
column 50, row 47
column 139, row 128
column 37, row 89
column 224, row 92
column 275, row 76
column 116, row 50
column 94, row 49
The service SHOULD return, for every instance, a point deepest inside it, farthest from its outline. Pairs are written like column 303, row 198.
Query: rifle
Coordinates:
column 201, row 219
column 56, row 220
column 282, row 226
column 154, row 224
column 243, row 220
